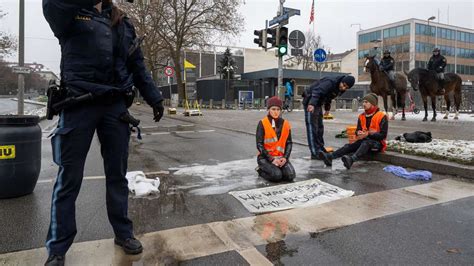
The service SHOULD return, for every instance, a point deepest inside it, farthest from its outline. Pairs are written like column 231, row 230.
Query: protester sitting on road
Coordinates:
column 320, row 94
column 372, row 129
column 274, row 145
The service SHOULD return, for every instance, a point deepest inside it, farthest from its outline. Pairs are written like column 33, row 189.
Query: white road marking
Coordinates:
column 242, row 235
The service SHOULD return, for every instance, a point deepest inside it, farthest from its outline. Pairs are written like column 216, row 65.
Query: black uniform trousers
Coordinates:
column 273, row 173
column 358, row 148
column 70, row 143
column 315, row 130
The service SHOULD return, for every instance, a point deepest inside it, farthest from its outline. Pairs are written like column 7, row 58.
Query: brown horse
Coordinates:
column 428, row 84
column 381, row 83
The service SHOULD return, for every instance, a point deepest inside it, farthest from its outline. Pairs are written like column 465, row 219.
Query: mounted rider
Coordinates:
column 387, row 65
column 438, row 63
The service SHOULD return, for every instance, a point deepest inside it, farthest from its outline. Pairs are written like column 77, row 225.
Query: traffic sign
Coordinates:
column 297, row 39
column 169, row 71
column 21, row 70
column 320, row 55
column 279, row 20
column 297, row 52
column 291, row 11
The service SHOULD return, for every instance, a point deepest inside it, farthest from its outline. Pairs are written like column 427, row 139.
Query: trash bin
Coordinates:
column 20, row 154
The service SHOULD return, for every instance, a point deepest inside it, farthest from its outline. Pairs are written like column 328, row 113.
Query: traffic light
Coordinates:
column 272, row 36
column 262, row 38
column 283, row 41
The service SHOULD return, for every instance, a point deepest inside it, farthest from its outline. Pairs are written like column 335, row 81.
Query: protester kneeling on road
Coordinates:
column 372, row 129
column 274, row 145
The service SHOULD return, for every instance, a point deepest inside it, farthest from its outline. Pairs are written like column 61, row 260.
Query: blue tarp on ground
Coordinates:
column 402, row 172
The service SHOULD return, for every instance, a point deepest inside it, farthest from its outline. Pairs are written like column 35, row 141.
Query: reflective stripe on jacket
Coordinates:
column 275, row 147
column 374, row 125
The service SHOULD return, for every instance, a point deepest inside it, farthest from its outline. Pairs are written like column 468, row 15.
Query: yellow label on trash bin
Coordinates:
column 7, row 152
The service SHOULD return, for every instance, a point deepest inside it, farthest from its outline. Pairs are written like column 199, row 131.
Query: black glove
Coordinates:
column 158, row 111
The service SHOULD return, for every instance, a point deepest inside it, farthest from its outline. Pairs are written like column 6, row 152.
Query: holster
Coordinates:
column 59, row 99
column 55, row 95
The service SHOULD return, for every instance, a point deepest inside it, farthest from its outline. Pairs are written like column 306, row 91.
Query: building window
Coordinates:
column 421, row 29
column 422, row 47
column 406, row 29
column 368, row 37
column 396, row 31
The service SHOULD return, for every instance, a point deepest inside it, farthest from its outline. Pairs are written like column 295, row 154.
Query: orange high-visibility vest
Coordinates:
column 374, row 125
column 275, row 147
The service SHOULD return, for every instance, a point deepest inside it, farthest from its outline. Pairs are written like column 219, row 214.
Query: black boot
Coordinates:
column 348, row 161
column 55, row 260
column 130, row 245
column 326, row 158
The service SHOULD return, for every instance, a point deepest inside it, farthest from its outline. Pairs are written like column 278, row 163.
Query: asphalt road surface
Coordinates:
column 217, row 154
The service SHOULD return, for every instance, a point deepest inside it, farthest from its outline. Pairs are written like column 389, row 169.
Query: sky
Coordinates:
column 333, row 19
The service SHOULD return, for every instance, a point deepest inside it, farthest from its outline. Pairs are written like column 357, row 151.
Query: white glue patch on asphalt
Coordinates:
column 295, row 195
column 223, row 177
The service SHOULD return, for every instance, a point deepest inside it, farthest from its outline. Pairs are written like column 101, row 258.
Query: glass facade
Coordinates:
column 465, row 53
column 426, row 30
column 465, row 37
column 396, row 31
column 398, row 48
column 446, row 34
column 447, row 50
column 422, row 47
column 368, row 37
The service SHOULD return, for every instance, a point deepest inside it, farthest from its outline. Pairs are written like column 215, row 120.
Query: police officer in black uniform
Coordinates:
column 437, row 64
column 387, row 65
column 101, row 57
column 321, row 93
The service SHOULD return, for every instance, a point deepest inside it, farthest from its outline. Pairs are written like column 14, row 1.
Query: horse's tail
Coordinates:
column 458, row 93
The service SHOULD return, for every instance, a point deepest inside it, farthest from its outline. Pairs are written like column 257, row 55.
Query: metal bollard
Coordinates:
column 355, row 105
column 236, row 104
column 223, row 104
column 211, row 102
column 333, row 105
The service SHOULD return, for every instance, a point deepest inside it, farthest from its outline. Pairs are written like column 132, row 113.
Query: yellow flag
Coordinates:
column 188, row 65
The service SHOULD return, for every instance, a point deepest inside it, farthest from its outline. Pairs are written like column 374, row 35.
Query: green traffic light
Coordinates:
column 282, row 50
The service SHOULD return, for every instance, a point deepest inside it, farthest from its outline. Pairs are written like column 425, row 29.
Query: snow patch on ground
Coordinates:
column 458, row 150
column 439, row 116
column 39, row 112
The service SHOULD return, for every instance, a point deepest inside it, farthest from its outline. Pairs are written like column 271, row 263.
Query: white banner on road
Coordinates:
column 289, row 196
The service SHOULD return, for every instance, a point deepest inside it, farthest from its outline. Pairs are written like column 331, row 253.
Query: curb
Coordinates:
column 437, row 166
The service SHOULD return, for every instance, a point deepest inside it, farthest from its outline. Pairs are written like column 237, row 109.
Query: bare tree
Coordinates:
column 189, row 24
column 143, row 15
column 7, row 41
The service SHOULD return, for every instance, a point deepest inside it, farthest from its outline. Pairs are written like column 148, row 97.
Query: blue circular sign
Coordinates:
column 320, row 55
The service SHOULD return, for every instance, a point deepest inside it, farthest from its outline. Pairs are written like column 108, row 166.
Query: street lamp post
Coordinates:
column 428, row 35
column 21, row 59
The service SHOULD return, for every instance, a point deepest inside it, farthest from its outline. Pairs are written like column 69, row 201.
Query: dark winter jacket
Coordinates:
column 95, row 57
column 323, row 92
column 383, row 128
column 387, row 64
column 437, row 63
column 261, row 136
